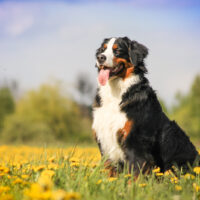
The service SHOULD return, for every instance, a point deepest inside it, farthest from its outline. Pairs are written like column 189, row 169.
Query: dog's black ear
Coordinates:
column 137, row 53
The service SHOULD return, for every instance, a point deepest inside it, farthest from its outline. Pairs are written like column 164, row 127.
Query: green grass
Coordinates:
column 82, row 179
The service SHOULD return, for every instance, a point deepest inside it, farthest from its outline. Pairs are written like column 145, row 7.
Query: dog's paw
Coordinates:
column 112, row 170
column 108, row 164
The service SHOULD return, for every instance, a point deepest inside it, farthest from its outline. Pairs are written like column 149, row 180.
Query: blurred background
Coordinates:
column 47, row 63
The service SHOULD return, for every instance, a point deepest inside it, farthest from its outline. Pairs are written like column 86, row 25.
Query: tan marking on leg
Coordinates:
column 127, row 128
column 123, row 133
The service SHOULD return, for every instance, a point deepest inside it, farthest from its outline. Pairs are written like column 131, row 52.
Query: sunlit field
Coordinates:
column 78, row 173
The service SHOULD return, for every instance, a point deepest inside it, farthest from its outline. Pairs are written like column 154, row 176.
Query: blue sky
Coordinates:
column 45, row 40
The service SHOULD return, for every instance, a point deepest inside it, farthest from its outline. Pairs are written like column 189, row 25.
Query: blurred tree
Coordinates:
column 12, row 85
column 187, row 110
column 7, row 104
column 85, row 89
column 86, row 93
column 46, row 114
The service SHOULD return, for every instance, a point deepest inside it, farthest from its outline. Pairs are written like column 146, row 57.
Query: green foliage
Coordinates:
column 87, row 179
column 7, row 104
column 187, row 110
column 46, row 115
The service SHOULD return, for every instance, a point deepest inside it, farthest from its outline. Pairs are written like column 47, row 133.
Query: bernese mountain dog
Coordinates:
column 129, row 124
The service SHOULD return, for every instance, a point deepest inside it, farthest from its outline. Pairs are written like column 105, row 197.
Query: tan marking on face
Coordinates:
column 117, row 61
column 128, row 72
column 128, row 69
column 105, row 46
column 115, row 46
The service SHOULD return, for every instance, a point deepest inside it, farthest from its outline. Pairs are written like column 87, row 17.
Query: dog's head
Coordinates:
column 120, row 57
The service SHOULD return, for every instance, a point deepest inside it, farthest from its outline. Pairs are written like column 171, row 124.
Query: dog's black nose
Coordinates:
column 101, row 58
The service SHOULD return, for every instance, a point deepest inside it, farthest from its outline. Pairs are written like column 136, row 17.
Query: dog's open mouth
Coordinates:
column 108, row 72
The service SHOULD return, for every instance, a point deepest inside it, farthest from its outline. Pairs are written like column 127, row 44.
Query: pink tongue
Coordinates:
column 103, row 76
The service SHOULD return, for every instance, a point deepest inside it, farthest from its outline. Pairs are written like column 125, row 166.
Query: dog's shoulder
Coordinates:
column 140, row 94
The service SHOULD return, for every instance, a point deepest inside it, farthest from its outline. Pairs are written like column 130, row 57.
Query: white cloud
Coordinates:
column 16, row 18
column 19, row 26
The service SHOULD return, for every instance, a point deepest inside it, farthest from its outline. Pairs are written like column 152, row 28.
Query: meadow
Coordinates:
column 34, row 173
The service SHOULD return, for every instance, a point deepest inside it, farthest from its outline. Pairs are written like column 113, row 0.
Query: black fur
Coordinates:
column 154, row 140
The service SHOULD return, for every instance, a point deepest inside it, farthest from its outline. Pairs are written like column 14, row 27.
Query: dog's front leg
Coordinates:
column 124, row 132
column 136, row 163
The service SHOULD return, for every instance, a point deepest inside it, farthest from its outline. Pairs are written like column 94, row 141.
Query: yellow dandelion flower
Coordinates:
column 178, row 188
column 6, row 197
column 4, row 169
column 72, row 196
column 99, row 181
column 142, row 185
column 74, row 164
column 59, row 195
column 111, row 179
column 39, row 168
column 159, row 174
column 1, row 169
column 156, row 170
column 37, row 192
column 34, row 189
column 189, row 176
column 196, row 187
column 174, row 180
column 45, row 182
column 8, row 177
column 52, row 159
column 127, row 175
column 47, row 172
column 53, row 166
column 4, row 189
column 17, row 165
column 197, row 170
column 168, row 172
column 18, row 181
column 74, row 159
column 104, row 171
column 46, row 195
column 92, row 165
column 24, row 176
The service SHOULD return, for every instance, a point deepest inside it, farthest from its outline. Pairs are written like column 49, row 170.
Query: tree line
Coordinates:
column 49, row 114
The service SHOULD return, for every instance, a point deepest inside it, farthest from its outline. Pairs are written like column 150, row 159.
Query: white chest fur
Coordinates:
column 108, row 118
